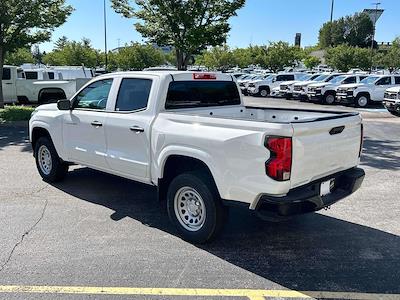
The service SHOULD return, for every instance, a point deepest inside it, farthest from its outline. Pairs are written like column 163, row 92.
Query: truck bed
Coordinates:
column 324, row 142
column 270, row 115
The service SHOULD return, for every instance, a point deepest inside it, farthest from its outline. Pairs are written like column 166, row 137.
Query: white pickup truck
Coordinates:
column 300, row 89
column 392, row 100
column 369, row 90
column 190, row 135
column 325, row 92
column 18, row 88
column 264, row 87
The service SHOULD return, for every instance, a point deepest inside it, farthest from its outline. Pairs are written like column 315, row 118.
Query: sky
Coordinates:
column 259, row 22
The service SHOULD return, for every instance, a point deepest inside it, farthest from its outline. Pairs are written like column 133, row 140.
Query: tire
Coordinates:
column 362, row 100
column 264, row 92
column 395, row 113
column 329, row 99
column 51, row 168
column 200, row 220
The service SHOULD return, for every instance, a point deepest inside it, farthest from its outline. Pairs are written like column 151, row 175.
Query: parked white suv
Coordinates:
column 392, row 100
column 190, row 135
column 325, row 92
column 370, row 89
column 263, row 88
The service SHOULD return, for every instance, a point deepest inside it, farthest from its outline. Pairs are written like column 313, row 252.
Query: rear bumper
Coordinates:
column 307, row 198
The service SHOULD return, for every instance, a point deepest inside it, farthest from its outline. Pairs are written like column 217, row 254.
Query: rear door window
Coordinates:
column 31, row 75
column 190, row 94
column 397, row 80
column 133, row 94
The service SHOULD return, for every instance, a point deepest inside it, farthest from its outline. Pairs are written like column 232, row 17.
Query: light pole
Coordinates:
column 330, row 28
column 105, row 34
column 375, row 19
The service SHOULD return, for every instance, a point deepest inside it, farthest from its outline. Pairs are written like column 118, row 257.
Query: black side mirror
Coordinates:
column 64, row 104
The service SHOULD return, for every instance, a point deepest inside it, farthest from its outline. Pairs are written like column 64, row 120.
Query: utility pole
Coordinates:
column 332, row 6
column 375, row 19
column 105, row 34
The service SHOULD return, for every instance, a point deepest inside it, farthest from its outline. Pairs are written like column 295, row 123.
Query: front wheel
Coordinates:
column 48, row 163
column 329, row 99
column 362, row 100
column 264, row 93
column 194, row 207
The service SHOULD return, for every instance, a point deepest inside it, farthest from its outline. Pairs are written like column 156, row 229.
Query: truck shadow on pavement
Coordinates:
column 14, row 135
column 381, row 154
column 311, row 252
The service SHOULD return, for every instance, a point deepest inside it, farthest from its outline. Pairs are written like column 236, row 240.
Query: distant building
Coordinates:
column 297, row 40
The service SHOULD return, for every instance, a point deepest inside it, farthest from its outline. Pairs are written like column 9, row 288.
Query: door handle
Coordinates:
column 8, row 83
column 96, row 124
column 136, row 129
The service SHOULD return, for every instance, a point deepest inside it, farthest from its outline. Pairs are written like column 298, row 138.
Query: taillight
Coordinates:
column 279, row 166
column 361, row 140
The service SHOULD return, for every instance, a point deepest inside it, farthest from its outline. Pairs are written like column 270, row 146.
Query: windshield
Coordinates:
column 369, row 80
column 338, row 79
column 320, row 77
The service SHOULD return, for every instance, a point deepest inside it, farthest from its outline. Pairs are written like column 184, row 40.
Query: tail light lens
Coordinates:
column 279, row 166
column 362, row 140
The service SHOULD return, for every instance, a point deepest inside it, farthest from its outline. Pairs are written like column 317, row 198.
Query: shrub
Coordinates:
column 16, row 113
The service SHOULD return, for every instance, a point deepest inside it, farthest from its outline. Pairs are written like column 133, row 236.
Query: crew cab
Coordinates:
column 392, row 100
column 18, row 88
column 263, row 88
column 300, row 89
column 325, row 92
column 190, row 135
column 370, row 89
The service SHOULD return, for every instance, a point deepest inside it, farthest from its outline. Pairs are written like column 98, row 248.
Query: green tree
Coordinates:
column 136, row 57
column 281, row 54
column 219, row 58
column 189, row 26
column 356, row 30
column 311, row 62
column 344, row 58
column 19, row 57
column 27, row 22
column 74, row 53
column 392, row 59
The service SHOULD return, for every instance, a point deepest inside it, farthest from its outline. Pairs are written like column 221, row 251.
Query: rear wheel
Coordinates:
column 362, row 100
column 194, row 207
column 48, row 163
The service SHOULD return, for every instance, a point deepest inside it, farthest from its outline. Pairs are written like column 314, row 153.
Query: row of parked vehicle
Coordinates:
column 327, row 88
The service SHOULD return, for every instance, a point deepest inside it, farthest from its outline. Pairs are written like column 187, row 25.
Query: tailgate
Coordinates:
column 320, row 148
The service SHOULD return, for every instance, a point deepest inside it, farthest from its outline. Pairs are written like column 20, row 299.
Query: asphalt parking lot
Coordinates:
column 97, row 236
